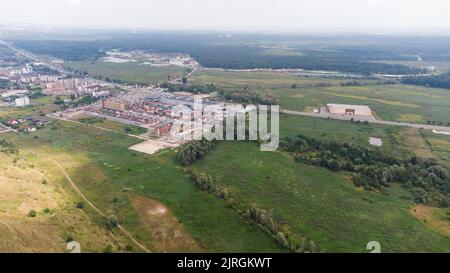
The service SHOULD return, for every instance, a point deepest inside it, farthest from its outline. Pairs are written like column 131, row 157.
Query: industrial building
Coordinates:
column 349, row 110
column 114, row 104
column 22, row 101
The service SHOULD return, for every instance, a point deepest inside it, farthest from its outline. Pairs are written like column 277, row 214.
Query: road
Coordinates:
column 33, row 57
column 369, row 120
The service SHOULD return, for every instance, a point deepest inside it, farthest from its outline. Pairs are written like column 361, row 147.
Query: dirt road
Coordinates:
column 74, row 186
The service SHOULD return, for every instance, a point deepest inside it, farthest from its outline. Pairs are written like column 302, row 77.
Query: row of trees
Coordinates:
column 194, row 150
column 260, row 216
column 247, row 95
column 196, row 89
column 373, row 169
column 208, row 184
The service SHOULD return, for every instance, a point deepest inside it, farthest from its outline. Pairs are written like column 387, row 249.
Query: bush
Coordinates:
column 281, row 239
column 108, row 249
column 112, row 221
column 32, row 213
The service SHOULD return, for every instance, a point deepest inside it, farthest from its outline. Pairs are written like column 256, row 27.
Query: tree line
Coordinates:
column 247, row 95
column 262, row 217
column 438, row 81
column 196, row 89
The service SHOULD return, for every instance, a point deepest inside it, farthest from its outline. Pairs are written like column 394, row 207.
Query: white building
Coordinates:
column 350, row 110
column 23, row 101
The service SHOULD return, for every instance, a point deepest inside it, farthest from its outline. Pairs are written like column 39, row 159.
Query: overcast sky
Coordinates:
column 228, row 14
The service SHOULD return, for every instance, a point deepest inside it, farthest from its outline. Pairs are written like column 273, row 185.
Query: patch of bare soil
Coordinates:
column 168, row 234
column 427, row 216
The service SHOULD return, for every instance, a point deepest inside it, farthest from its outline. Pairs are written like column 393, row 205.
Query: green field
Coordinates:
column 343, row 131
column 105, row 168
column 132, row 72
column 112, row 125
column 391, row 102
column 259, row 79
column 319, row 204
column 42, row 105
column 396, row 102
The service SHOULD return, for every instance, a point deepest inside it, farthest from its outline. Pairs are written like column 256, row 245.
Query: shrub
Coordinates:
column 112, row 221
column 32, row 213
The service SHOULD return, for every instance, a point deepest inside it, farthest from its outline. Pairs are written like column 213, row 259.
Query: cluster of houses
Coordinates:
column 27, row 124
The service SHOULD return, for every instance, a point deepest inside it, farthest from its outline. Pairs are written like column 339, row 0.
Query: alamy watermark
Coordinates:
column 222, row 121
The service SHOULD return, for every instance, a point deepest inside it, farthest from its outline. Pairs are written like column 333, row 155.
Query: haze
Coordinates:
column 228, row 14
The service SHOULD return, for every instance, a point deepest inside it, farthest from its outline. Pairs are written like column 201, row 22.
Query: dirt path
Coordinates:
column 74, row 186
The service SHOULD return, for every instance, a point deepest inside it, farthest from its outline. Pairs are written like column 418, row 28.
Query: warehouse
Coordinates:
column 349, row 110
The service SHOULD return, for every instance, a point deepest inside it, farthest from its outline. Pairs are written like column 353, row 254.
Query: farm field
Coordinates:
column 133, row 73
column 106, row 171
column 319, row 204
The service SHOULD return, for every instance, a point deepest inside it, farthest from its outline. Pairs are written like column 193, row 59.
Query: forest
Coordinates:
column 240, row 52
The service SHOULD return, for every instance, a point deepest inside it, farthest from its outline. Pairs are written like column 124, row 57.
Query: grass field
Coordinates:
column 439, row 145
column 343, row 131
column 317, row 203
column 112, row 125
column 259, row 79
column 397, row 102
column 106, row 170
column 391, row 102
column 42, row 105
column 29, row 181
column 134, row 73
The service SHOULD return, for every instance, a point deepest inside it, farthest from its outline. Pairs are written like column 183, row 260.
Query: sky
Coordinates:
column 229, row 14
